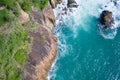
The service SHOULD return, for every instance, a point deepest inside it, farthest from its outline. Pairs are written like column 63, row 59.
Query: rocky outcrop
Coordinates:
column 23, row 17
column 72, row 3
column 106, row 19
column 44, row 46
column 49, row 18
column 55, row 2
column 2, row 7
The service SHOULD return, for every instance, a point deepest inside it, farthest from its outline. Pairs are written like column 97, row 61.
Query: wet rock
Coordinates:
column 72, row 3
column 54, row 3
column 106, row 19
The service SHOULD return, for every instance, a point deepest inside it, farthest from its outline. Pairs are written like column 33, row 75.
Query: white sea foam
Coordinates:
column 108, row 34
column 51, row 73
column 85, row 8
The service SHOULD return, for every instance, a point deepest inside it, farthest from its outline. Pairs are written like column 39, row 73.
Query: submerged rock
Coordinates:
column 106, row 19
column 72, row 3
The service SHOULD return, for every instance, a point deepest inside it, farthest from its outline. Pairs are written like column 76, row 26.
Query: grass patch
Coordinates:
column 13, row 53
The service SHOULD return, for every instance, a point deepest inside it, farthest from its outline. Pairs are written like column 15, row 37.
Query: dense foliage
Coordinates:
column 14, row 47
column 15, row 5
column 4, row 16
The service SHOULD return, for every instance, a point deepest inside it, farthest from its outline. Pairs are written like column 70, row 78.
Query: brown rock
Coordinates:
column 41, row 56
column 24, row 17
column 106, row 18
column 49, row 17
column 44, row 46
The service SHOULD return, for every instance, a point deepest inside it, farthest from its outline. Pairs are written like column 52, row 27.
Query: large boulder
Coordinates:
column 106, row 19
column 72, row 3
column 23, row 17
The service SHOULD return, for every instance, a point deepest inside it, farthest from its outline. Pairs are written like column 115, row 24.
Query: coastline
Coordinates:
column 44, row 46
column 43, row 52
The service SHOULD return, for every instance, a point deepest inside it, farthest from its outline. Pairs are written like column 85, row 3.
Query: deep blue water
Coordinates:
column 86, row 54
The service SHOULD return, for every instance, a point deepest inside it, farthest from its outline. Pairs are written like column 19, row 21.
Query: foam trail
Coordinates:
column 51, row 73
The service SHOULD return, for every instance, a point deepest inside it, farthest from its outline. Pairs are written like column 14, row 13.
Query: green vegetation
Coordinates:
column 14, row 44
column 14, row 49
column 4, row 16
column 26, row 5
column 8, row 3
column 15, row 5
column 40, row 3
column 43, row 39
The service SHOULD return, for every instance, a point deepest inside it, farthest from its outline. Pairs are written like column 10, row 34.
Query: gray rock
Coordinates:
column 72, row 3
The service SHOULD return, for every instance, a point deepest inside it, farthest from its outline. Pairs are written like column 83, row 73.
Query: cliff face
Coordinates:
column 44, row 45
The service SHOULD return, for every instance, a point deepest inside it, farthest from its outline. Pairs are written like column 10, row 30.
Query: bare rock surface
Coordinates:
column 24, row 17
column 106, row 19
column 44, row 46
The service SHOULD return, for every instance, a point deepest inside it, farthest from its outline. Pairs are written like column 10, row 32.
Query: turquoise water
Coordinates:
column 84, row 54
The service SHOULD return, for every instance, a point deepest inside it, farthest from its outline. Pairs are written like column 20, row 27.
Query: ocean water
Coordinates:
column 86, row 52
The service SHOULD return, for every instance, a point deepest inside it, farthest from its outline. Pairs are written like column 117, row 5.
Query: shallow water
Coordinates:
column 86, row 53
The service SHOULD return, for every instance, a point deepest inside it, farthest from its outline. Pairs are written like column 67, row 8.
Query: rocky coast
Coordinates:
column 44, row 46
column 28, row 46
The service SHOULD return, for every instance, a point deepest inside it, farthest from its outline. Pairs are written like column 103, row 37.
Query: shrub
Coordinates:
column 4, row 16
column 16, row 9
column 26, row 5
column 8, row 3
column 43, row 3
